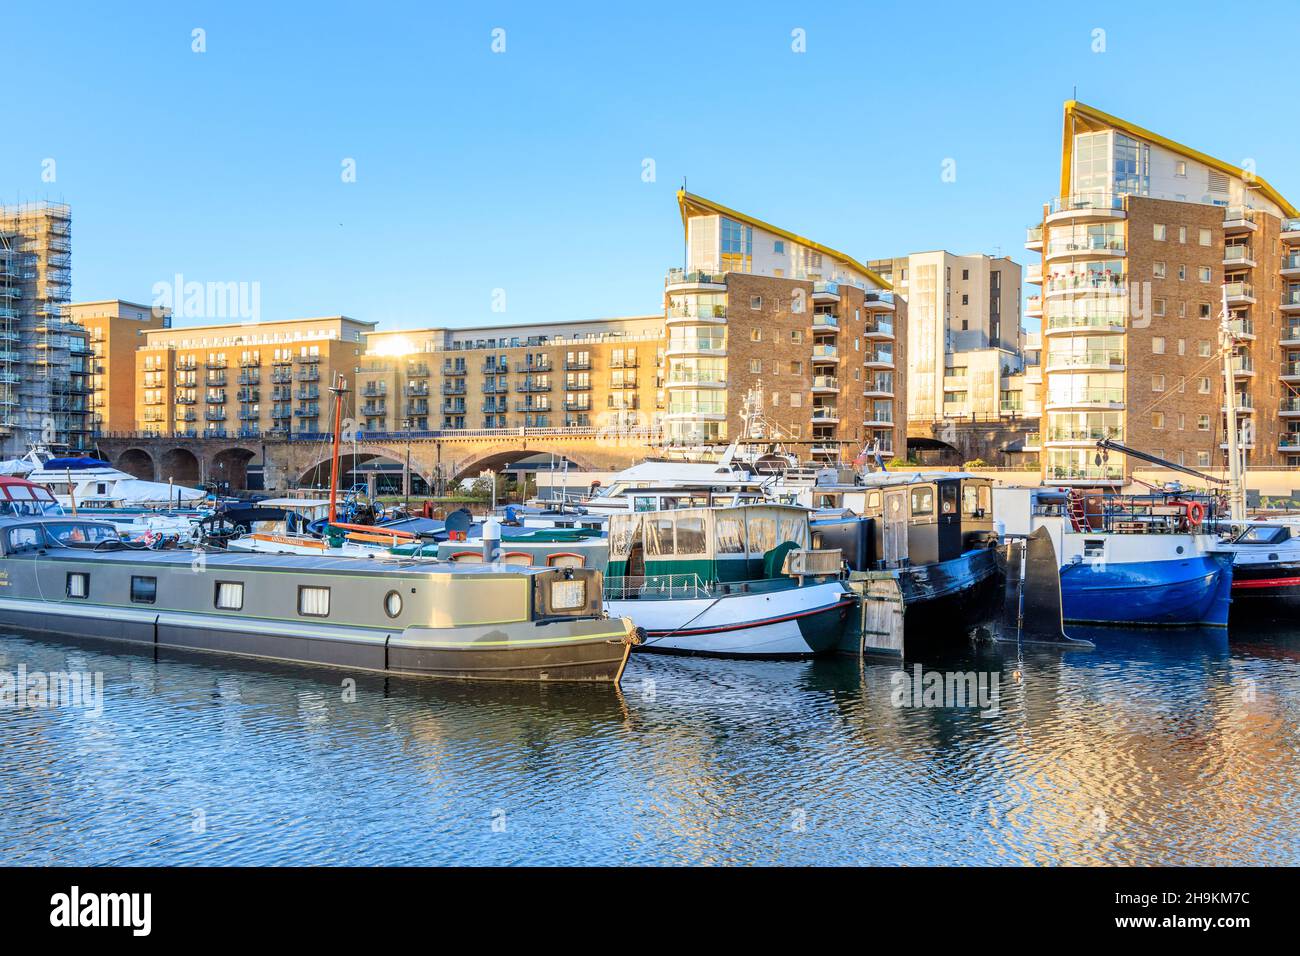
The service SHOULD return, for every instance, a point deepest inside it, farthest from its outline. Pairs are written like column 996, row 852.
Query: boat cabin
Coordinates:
column 717, row 545
column 20, row 498
column 916, row 519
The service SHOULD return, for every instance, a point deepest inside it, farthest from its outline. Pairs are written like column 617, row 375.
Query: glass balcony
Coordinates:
column 1105, row 319
column 1102, row 201
column 1088, row 358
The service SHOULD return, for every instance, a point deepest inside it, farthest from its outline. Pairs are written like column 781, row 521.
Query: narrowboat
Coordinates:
column 76, row 576
column 738, row 581
column 933, row 531
column 1136, row 560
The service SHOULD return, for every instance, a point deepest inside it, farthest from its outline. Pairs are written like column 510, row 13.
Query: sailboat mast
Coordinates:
column 1236, row 466
column 338, row 389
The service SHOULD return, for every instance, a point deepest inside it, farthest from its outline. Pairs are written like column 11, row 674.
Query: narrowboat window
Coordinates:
column 729, row 531
column 762, row 533
column 643, row 503
column 313, row 602
column 794, row 528
column 23, row 539
column 74, row 534
column 985, row 499
column 144, row 590
column 564, row 559
column 669, row 502
column 922, row 501
column 969, row 499
column 78, row 584
column 392, row 604
column 229, row 596
column 659, row 536
column 873, row 501
column 690, row 536
column 948, row 499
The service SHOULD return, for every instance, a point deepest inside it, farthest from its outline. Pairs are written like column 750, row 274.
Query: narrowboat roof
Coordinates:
column 896, row 479
column 252, row 560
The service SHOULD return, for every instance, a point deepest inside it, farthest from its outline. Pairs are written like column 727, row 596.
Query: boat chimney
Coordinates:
column 491, row 541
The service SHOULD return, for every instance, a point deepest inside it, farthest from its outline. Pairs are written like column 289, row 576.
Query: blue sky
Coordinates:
column 522, row 170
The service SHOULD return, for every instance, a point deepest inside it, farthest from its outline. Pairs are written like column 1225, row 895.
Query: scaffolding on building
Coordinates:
column 43, row 385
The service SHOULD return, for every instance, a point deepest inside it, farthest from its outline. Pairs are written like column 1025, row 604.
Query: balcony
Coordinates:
column 524, row 368
column 826, row 292
column 1291, row 299
column 1098, row 284
column 1238, row 257
column 1034, row 273
column 538, row 405
column 1291, row 371
column 1100, row 397
column 1034, row 307
column 1033, row 441
column 825, row 322
column 1034, row 238
column 825, row 415
column 1291, row 230
column 879, row 418
column 878, row 389
column 1245, row 405
column 1102, row 360
column 881, row 330
column 577, row 365
column 1084, row 247
column 879, row 302
column 825, row 385
column 1291, row 265
column 528, row 385
column 696, row 315
column 678, row 347
column 1105, row 474
column 1238, row 219
column 1083, row 206
column 453, row 388
column 681, row 279
column 879, row 359
column 825, row 353
column 1242, row 328
column 1239, row 293
column 1102, row 320
column 1242, row 366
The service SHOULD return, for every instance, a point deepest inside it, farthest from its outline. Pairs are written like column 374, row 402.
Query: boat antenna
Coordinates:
column 338, row 390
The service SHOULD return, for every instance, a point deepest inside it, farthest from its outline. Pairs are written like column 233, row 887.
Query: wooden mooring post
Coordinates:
column 876, row 626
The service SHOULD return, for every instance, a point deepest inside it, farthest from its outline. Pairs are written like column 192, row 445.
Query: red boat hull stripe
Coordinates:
column 1268, row 583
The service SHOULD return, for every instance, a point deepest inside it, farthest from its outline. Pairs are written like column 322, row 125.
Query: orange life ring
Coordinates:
column 1195, row 513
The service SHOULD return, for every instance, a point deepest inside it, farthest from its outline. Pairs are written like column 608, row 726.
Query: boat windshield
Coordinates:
column 1263, row 534
column 63, row 534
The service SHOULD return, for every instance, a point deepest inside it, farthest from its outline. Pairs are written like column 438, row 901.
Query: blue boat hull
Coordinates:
column 1185, row 592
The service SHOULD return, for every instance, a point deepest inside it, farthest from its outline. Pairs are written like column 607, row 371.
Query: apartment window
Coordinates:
column 1157, row 383
column 1159, row 231
column 1182, row 310
column 78, row 584
column 965, row 300
column 965, row 276
column 756, row 366
column 1182, row 273
column 1182, row 234
column 1203, row 458
column 1157, row 419
column 1182, row 421
column 796, row 399
column 1203, row 348
column 1203, row 423
column 1158, row 345
column 796, row 368
column 756, row 302
column 1203, row 273
column 1182, row 346
column 313, row 602
column 1205, row 237
column 228, row 596
column 776, row 399
column 1158, row 307
column 796, row 335
column 1158, row 269
column 778, row 247
column 144, row 590
column 1203, row 310
column 755, row 335
column 1203, row 386
column 1180, row 168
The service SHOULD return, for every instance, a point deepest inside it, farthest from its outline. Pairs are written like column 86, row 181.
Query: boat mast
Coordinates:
column 338, row 389
column 1236, row 465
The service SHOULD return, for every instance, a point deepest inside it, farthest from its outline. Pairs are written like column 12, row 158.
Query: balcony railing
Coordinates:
column 1084, row 201
column 1239, row 290
column 1101, row 395
column 1065, row 246
column 1092, row 320
column 1093, row 358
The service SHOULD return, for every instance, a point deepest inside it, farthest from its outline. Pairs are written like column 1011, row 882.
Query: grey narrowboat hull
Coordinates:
column 475, row 624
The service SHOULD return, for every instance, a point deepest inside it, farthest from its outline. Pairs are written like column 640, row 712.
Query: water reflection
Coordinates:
column 1154, row 747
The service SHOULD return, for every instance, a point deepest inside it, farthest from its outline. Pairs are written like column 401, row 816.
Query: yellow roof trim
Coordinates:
column 1074, row 110
column 685, row 199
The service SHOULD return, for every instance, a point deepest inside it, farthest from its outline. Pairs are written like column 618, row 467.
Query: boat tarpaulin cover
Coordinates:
column 73, row 464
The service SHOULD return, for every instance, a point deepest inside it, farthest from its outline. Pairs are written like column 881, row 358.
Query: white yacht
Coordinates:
column 90, row 482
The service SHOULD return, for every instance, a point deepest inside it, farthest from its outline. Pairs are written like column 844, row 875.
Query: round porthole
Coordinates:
column 1180, row 549
column 392, row 604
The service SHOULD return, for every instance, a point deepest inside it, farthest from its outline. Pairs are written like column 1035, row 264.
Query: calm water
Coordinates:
column 1160, row 748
